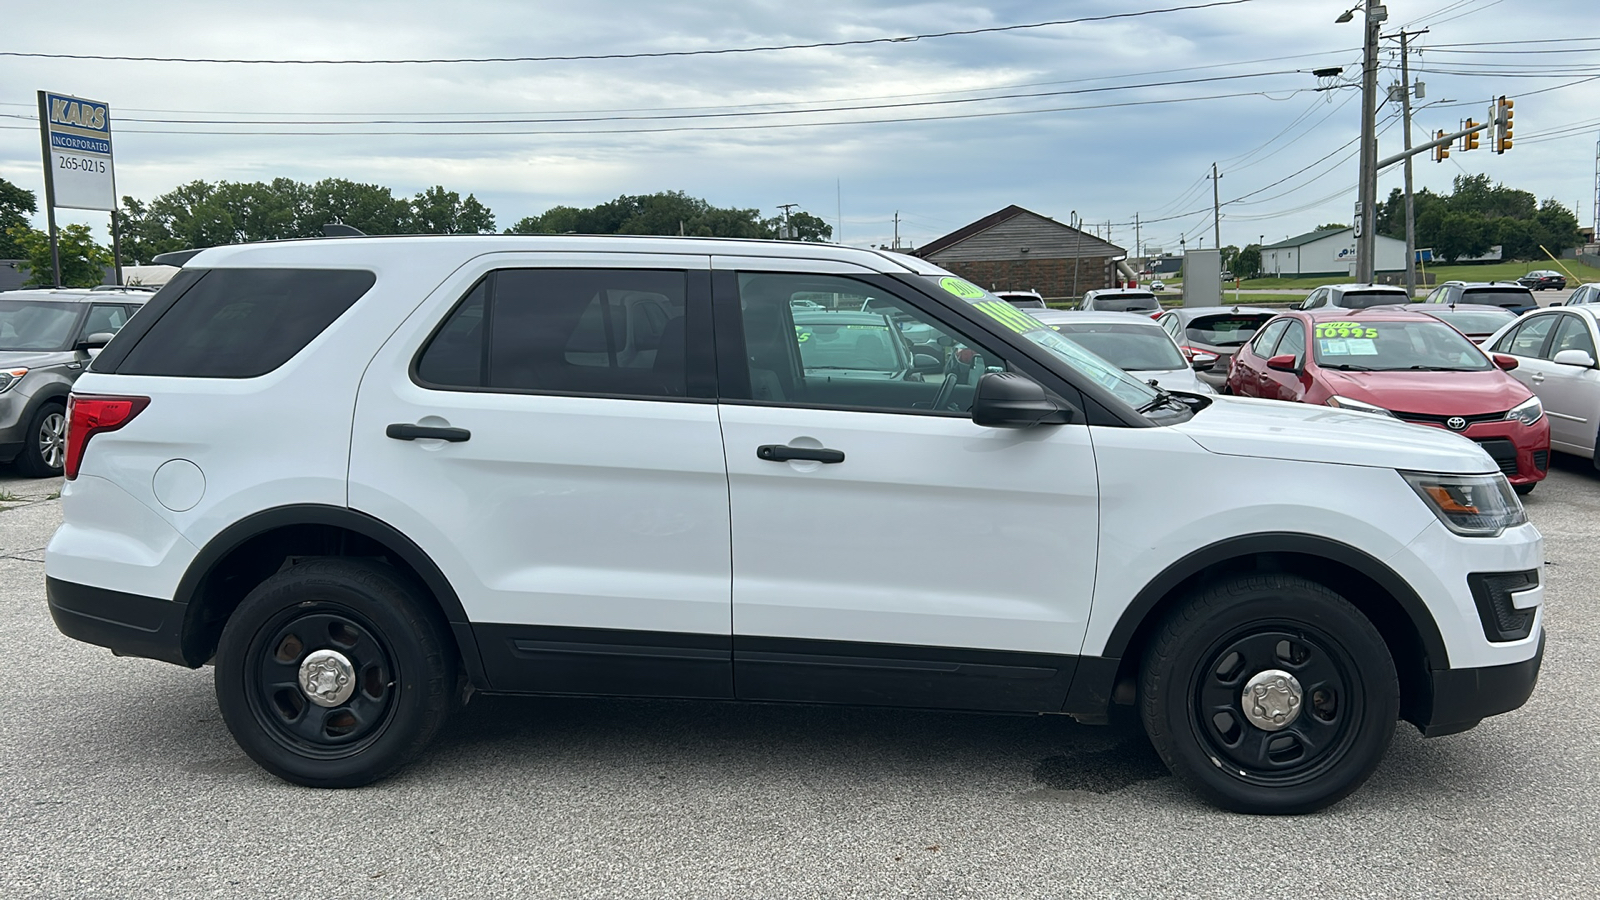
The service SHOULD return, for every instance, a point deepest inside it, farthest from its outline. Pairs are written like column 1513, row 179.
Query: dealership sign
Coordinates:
column 77, row 138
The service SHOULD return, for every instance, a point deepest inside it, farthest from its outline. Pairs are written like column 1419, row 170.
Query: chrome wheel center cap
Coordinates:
column 1271, row 699
column 327, row 678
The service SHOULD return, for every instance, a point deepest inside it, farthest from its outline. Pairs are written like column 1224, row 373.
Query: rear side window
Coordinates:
column 241, row 323
column 610, row 332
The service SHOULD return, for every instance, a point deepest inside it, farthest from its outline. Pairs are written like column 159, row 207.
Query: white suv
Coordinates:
column 367, row 476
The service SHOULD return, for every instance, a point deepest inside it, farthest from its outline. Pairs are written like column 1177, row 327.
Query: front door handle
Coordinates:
column 1536, row 377
column 784, row 453
column 402, row 431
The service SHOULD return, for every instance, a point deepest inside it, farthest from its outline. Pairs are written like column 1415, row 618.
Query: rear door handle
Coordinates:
column 402, row 431
column 784, row 453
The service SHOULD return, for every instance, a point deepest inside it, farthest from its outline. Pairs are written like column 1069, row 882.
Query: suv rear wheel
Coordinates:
column 44, row 446
column 1269, row 694
column 335, row 673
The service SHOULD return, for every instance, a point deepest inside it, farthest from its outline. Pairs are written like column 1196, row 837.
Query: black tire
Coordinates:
column 400, row 661
column 1211, row 646
column 44, row 444
column 1525, row 489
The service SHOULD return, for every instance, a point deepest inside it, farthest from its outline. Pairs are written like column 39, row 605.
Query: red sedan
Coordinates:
column 1401, row 364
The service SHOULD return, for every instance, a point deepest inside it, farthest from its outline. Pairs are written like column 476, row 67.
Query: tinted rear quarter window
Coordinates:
column 241, row 323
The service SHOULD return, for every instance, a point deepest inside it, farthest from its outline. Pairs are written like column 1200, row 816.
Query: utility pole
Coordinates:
column 1411, row 208
column 788, row 230
column 1216, row 209
column 1138, row 245
column 1368, row 195
column 896, row 229
column 1077, row 250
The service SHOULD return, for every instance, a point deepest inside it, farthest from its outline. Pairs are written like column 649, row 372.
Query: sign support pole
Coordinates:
column 49, row 192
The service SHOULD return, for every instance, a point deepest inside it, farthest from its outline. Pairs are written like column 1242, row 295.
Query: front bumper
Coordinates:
column 1458, row 699
column 127, row 624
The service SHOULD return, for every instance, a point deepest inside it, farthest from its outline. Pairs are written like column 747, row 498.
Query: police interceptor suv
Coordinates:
column 367, row 476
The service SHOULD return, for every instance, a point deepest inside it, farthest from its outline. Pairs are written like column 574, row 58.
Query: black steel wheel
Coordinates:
column 334, row 673
column 44, row 447
column 1269, row 694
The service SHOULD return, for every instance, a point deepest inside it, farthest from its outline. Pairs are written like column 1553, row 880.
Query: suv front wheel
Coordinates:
column 1269, row 694
column 335, row 673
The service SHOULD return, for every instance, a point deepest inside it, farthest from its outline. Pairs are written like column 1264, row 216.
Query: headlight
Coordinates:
column 1357, row 406
column 10, row 377
column 1469, row 505
column 1527, row 412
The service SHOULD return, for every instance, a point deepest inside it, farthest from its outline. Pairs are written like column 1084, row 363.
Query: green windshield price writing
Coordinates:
column 1345, row 330
column 963, row 289
column 1009, row 316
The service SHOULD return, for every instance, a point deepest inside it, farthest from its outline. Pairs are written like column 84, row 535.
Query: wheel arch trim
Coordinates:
column 225, row 542
column 1240, row 546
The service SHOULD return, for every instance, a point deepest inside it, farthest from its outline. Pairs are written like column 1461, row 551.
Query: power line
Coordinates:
column 612, row 56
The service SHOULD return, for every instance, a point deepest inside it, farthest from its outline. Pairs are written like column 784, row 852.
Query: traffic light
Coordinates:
column 1502, row 124
column 1441, row 152
column 1470, row 141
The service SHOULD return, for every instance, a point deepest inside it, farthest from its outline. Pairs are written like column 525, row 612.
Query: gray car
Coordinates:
column 45, row 341
column 1556, row 356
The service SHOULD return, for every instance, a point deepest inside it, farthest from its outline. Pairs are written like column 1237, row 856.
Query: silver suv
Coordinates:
column 47, row 337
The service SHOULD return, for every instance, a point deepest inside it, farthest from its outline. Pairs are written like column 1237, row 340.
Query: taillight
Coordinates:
column 90, row 414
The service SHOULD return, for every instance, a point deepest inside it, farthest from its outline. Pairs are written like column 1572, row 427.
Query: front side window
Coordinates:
column 1528, row 338
column 858, row 347
column 1293, row 343
column 1572, row 334
column 608, row 332
column 1268, row 338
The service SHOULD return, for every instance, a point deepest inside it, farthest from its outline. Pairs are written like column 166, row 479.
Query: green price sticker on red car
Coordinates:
column 1345, row 330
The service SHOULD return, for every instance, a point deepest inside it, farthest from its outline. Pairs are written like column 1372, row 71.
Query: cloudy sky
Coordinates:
column 1103, row 119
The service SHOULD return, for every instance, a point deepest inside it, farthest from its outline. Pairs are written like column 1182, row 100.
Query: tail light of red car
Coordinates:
column 91, row 414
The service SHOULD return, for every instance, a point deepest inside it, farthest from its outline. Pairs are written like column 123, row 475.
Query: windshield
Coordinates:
column 1128, row 346
column 1396, row 346
column 1515, row 297
column 32, row 325
column 867, row 346
column 1234, row 330
column 1364, row 299
column 1127, row 303
column 1476, row 321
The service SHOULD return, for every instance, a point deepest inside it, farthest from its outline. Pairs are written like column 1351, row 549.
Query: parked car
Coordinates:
column 1215, row 330
column 1354, row 296
column 1478, row 323
column 1402, row 365
column 1584, row 293
column 47, row 337
column 1023, row 298
column 1543, row 278
column 1505, row 294
column 1131, row 300
column 1555, row 353
column 1157, row 286
column 1134, row 344
column 363, row 477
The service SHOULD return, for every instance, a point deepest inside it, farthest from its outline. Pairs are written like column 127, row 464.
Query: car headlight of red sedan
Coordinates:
column 1528, row 412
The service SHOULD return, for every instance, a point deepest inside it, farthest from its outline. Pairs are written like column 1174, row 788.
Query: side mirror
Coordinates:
column 926, row 363
column 1574, row 358
column 1204, row 362
column 1505, row 362
column 1284, row 362
column 1010, row 400
column 95, row 341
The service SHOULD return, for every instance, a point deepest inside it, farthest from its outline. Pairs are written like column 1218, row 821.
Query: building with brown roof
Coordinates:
column 1017, row 249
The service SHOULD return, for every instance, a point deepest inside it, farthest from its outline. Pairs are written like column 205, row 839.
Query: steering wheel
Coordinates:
column 946, row 390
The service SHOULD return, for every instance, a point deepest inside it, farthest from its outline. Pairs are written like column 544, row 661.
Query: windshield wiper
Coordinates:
column 1163, row 398
column 1350, row 367
column 1420, row 368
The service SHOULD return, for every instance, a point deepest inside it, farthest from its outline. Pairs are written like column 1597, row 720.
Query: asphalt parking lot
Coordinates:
column 120, row 781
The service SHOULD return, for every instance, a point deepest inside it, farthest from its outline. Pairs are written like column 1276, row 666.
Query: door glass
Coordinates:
column 1572, row 334
column 1294, row 342
column 609, row 332
column 824, row 340
column 105, row 320
column 1263, row 344
column 1528, row 340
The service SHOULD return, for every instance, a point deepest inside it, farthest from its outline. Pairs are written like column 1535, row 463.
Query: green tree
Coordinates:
column 666, row 212
column 438, row 211
column 16, row 205
column 83, row 262
column 806, row 227
column 369, row 208
column 1332, row 226
column 1248, row 264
